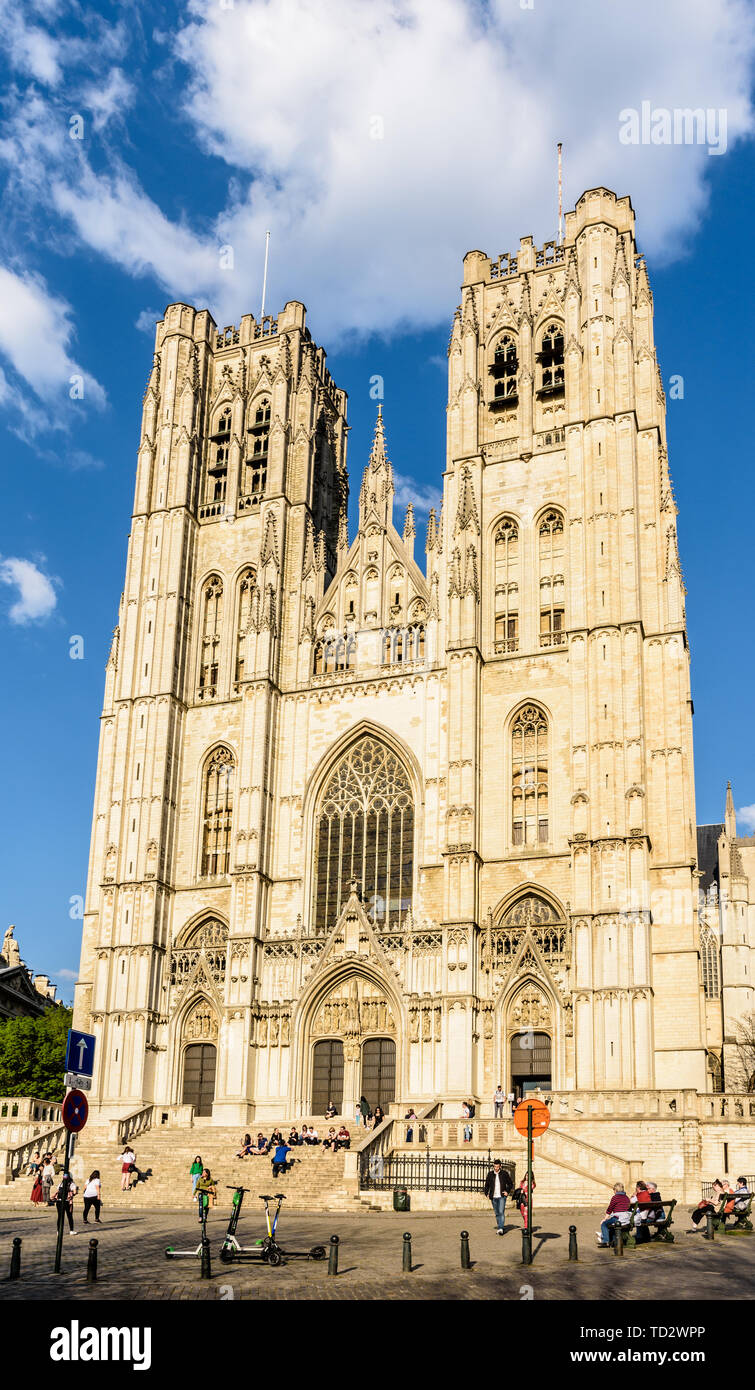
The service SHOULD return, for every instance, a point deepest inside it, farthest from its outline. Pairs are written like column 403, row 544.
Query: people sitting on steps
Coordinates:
column 280, row 1161
column 331, row 1112
column 330, row 1139
column 246, row 1147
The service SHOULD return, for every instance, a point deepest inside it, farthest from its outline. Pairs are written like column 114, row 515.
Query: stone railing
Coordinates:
column 641, row 1104
column 131, row 1125
column 13, row 1161
column 23, row 1118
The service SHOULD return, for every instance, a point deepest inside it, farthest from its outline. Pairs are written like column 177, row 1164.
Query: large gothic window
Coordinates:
column 529, row 778
column 551, row 558
column 218, row 814
column 507, row 586
column 211, row 614
column 365, row 831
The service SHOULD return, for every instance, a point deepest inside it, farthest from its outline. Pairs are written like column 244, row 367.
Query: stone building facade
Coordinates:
column 366, row 827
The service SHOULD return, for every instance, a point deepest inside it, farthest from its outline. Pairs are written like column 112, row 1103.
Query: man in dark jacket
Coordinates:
column 497, row 1187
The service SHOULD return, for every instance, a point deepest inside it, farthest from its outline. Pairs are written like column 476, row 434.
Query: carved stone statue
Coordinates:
column 11, row 952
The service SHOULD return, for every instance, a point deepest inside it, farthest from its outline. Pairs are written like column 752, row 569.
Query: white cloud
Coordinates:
column 422, row 498
column 36, row 595
column 746, row 817
column 110, row 100
column 66, row 975
column 467, row 102
column 35, row 334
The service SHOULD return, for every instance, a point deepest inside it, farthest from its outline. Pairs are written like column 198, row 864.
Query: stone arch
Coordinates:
column 353, row 1001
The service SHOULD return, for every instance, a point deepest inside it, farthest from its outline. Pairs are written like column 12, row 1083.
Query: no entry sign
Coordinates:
column 75, row 1111
column 541, row 1117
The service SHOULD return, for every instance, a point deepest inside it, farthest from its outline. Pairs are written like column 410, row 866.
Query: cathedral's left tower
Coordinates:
column 239, row 514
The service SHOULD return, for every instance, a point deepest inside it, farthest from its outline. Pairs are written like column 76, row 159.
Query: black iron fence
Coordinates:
column 427, row 1172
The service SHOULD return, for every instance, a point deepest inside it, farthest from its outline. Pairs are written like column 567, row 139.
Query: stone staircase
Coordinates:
column 314, row 1183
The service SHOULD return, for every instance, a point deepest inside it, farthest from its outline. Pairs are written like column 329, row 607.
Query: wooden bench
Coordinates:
column 656, row 1226
column 740, row 1215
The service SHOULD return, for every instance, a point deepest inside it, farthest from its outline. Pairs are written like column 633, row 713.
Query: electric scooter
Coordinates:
column 203, row 1202
column 266, row 1249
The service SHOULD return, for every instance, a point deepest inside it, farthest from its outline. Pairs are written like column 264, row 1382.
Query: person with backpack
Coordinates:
column 497, row 1187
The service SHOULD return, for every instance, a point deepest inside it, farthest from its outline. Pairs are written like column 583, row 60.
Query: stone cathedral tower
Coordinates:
column 362, row 827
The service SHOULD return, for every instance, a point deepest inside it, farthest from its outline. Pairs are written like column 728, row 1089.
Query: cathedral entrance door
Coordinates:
column 530, row 1062
column 327, row 1075
column 379, row 1071
column 199, row 1077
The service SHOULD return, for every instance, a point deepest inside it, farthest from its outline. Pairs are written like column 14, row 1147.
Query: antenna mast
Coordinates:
column 264, row 277
column 560, row 200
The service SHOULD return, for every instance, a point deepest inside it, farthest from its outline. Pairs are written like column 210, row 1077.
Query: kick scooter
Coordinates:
column 203, row 1201
column 265, row 1249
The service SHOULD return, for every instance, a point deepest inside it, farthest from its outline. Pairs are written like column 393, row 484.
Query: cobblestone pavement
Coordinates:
column 132, row 1261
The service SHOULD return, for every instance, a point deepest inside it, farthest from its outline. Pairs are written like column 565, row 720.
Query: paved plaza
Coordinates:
column 132, row 1263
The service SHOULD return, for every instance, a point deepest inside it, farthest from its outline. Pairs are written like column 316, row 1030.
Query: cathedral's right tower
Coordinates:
column 576, row 640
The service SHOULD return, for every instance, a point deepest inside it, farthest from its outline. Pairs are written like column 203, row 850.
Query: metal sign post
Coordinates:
column 529, row 1184
column 79, row 1068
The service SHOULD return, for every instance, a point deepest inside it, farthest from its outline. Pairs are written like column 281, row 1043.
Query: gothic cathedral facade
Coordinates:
column 363, row 827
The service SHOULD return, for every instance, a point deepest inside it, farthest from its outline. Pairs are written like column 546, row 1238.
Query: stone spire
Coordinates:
column 730, row 816
column 410, row 530
column 377, row 485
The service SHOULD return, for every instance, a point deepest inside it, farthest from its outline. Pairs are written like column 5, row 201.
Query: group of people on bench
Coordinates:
column 642, row 1209
column 737, row 1205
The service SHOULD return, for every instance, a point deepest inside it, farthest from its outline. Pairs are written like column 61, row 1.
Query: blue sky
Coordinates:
column 378, row 143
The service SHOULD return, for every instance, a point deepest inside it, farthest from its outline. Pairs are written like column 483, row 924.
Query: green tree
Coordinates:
column 32, row 1055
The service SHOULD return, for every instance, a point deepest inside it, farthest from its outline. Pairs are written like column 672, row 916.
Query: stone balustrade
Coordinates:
column 14, row 1160
column 23, row 1118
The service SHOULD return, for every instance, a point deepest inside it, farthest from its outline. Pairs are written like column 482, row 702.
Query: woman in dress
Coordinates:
column 37, row 1195
column 126, row 1159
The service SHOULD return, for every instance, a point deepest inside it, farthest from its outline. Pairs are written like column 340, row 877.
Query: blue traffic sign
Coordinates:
column 80, row 1052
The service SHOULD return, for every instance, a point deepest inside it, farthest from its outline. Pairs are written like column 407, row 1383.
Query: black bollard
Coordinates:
column 573, row 1252
column 526, row 1247
column 333, row 1255
column 206, row 1272
column 618, row 1240
column 92, row 1262
column 710, row 1230
column 466, row 1263
column 407, row 1259
column 15, row 1259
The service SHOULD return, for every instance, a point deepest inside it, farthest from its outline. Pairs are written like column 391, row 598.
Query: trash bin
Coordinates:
column 400, row 1199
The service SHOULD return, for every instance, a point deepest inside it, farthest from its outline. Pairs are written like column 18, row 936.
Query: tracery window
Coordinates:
column 364, row 830
column 711, row 958
column 247, row 585
column 529, row 778
column 211, row 615
column 551, row 360
column 217, row 467
column 255, row 467
column 551, row 560
column 334, row 653
column 507, row 586
column 504, row 369
column 217, row 814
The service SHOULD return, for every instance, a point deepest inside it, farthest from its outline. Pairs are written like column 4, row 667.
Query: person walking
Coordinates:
column 48, row 1178
column 497, row 1187
column 364, row 1106
column 499, row 1100
column 195, row 1173
column 37, row 1194
column 93, row 1197
column 522, row 1201
column 65, row 1202
column 127, row 1158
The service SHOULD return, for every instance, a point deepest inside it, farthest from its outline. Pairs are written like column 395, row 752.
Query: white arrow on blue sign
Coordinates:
column 80, row 1052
